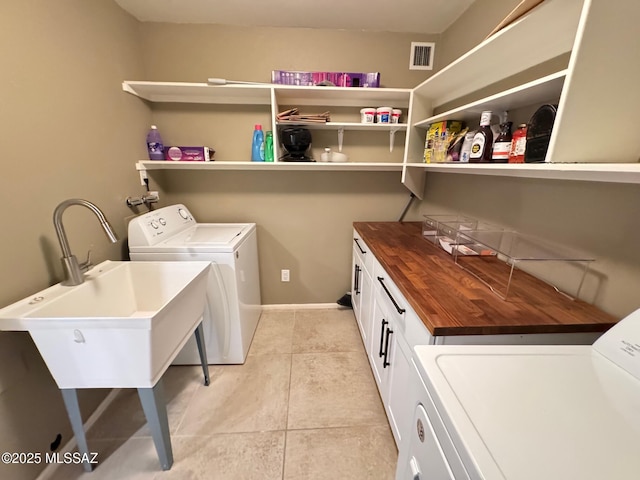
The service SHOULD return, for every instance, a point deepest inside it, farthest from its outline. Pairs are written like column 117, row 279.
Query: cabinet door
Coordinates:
column 400, row 402
column 366, row 310
column 356, row 290
column 381, row 336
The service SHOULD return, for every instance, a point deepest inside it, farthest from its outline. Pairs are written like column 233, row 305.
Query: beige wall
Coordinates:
column 599, row 218
column 304, row 218
column 178, row 52
column 68, row 131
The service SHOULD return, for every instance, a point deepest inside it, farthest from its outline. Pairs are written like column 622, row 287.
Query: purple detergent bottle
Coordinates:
column 154, row 144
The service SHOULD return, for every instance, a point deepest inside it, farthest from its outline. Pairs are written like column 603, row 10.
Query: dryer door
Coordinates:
column 426, row 458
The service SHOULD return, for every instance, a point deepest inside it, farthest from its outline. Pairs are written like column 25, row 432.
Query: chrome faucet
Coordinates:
column 73, row 271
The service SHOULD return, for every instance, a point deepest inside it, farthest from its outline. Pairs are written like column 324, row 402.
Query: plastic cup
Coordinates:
column 367, row 115
column 384, row 114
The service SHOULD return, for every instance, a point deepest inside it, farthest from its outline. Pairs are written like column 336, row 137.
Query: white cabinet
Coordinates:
column 384, row 319
column 595, row 89
column 390, row 353
column 362, row 288
column 379, row 348
column 398, row 399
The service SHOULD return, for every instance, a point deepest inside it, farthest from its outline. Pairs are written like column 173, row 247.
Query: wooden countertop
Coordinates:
column 451, row 301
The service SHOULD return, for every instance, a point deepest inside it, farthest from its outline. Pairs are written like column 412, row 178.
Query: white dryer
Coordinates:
column 233, row 295
column 527, row 412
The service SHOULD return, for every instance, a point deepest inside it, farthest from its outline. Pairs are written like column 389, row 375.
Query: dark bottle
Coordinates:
column 502, row 146
column 482, row 141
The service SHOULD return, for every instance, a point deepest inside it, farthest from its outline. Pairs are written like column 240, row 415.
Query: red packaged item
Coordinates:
column 518, row 144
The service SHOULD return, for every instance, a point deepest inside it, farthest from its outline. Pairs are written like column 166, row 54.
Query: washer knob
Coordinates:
column 154, row 224
column 183, row 213
column 162, row 221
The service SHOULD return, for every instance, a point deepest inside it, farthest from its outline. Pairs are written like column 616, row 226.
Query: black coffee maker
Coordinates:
column 296, row 141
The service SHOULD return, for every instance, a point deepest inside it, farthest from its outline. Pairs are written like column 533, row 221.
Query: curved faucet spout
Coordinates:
column 74, row 270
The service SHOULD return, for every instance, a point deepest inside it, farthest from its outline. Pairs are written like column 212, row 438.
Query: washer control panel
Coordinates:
column 153, row 227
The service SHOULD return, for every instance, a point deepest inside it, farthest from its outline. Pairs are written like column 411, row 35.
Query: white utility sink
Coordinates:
column 122, row 327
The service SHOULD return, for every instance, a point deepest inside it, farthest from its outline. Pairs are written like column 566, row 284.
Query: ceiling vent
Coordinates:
column 422, row 55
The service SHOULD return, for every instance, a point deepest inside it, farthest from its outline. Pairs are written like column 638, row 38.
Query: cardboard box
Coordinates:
column 189, row 154
column 339, row 79
column 438, row 136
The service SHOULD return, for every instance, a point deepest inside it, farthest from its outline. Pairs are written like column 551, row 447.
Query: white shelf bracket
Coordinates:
column 392, row 135
column 142, row 171
column 340, row 138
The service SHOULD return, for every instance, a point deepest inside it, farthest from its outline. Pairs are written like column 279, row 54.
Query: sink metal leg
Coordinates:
column 70, row 397
column 155, row 409
column 202, row 351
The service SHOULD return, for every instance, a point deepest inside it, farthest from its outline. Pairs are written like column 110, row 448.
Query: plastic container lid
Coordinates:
column 257, row 127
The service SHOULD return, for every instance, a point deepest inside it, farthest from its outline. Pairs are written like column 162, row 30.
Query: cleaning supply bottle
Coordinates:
column 502, row 145
column 268, row 147
column 155, row 147
column 257, row 147
column 482, row 141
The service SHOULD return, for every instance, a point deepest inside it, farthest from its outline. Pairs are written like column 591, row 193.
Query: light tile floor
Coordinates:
column 304, row 406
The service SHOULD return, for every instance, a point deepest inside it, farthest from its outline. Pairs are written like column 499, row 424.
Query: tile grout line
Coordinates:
column 286, row 426
column 186, row 408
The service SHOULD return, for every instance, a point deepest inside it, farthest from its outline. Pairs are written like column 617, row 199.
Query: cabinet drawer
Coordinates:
column 364, row 253
column 391, row 301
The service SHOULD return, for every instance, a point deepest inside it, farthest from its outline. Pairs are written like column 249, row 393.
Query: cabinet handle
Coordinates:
column 358, row 244
column 356, row 279
column 385, row 363
column 384, row 322
column 395, row 304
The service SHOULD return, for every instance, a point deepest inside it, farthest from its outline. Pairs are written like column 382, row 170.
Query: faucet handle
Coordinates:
column 86, row 265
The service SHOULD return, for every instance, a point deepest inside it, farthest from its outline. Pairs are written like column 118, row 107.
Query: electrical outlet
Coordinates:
column 284, row 275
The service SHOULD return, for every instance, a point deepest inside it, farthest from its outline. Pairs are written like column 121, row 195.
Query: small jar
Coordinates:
column 395, row 115
column 367, row 115
column 384, row 114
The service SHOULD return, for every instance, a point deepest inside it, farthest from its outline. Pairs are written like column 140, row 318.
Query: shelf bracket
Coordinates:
column 392, row 135
column 142, row 171
column 340, row 138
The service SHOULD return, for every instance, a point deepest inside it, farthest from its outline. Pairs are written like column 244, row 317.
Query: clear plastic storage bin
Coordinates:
column 505, row 260
column 432, row 223
column 448, row 232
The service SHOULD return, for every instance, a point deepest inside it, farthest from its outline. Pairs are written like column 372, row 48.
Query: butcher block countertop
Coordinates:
column 451, row 301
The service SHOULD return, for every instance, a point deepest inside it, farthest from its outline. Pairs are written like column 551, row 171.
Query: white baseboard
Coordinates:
column 303, row 306
column 48, row 472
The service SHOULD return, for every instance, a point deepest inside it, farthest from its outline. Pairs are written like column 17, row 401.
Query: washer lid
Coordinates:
column 202, row 238
column 534, row 412
column 210, row 234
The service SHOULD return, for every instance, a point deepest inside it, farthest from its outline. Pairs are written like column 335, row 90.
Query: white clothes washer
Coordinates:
column 527, row 412
column 233, row 305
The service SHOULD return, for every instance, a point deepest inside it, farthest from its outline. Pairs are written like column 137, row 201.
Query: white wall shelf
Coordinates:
column 546, row 32
column 260, row 94
column 342, row 96
column 531, row 93
column 592, row 172
column 270, row 166
column 594, row 136
column 177, row 92
column 382, row 127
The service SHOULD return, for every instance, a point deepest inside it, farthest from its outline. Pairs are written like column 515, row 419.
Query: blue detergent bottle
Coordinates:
column 257, row 146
